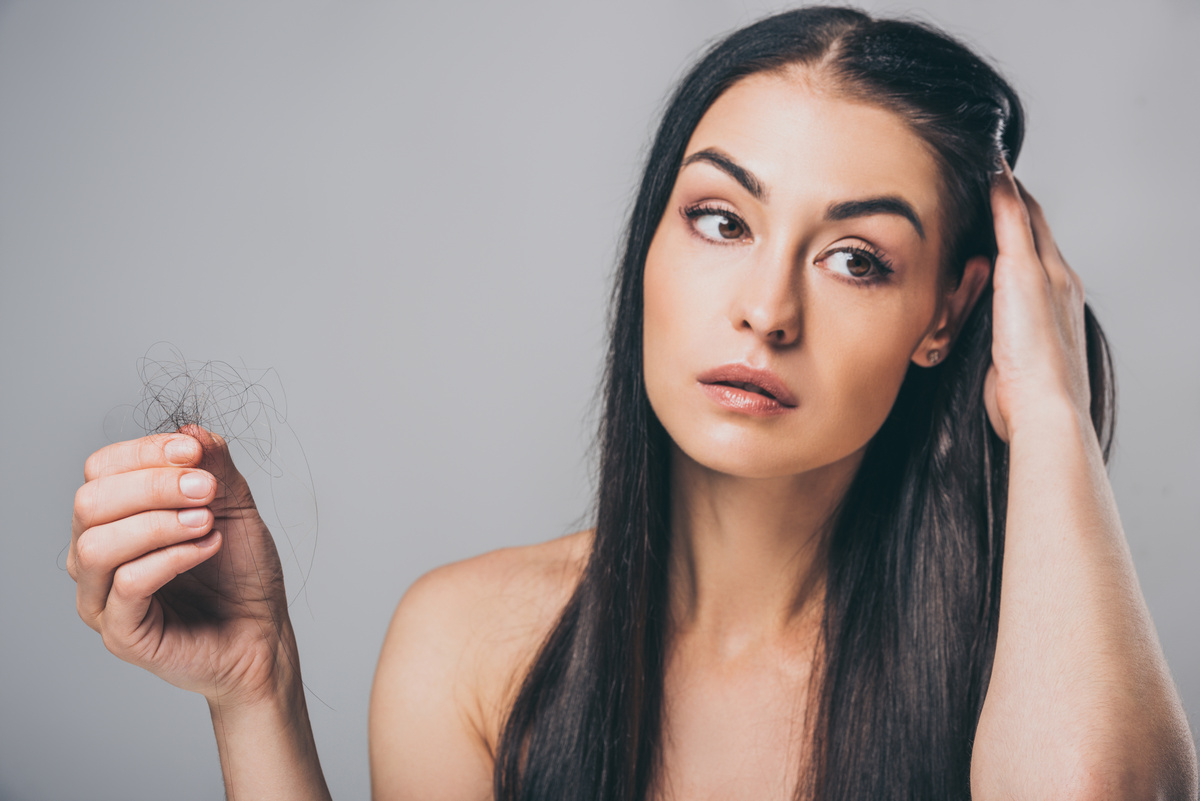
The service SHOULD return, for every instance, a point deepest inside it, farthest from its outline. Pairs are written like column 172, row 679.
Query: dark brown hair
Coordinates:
column 913, row 583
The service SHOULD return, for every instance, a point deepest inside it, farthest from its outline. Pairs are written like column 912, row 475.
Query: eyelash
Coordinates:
column 882, row 264
column 693, row 213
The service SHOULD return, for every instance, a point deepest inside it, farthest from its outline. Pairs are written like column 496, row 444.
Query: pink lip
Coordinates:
column 717, row 382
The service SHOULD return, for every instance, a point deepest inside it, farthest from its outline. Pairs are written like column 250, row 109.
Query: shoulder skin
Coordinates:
column 459, row 644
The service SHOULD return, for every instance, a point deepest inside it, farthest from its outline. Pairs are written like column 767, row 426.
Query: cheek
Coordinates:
column 661, row 310
column 661, row 325
column 675, row 315
column 860, row 332
column 863, row 391
column 859, row 356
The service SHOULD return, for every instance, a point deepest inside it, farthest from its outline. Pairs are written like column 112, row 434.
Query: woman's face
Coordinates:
column 798, row 256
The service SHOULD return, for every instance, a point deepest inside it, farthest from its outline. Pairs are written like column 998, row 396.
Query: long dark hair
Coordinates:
column 914, row 554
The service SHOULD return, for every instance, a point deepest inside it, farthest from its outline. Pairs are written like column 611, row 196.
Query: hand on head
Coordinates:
column 1039, row 366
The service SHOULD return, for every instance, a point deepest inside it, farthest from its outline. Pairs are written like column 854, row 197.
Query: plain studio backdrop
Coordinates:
column 411, row 212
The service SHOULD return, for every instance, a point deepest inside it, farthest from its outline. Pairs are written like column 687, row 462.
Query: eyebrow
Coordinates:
column 889, row 204
column 846, row 210
column 739, row 173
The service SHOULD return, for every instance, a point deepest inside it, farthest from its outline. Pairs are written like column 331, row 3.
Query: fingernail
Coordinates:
column 181, row 450
column 195, row 485
column 193, row 518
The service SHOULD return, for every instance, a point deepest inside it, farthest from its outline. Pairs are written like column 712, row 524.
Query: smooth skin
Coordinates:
column 1081, row 703
column 766, row 278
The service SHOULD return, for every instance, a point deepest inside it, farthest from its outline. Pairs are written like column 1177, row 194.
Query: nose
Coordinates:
column 767, row 302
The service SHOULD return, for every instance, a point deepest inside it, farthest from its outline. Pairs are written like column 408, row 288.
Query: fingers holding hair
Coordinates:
column 101, row 551
column 1022, row 232
column 156, row 450
column 130, row 610
column 1057, row 269
column 1014, row 228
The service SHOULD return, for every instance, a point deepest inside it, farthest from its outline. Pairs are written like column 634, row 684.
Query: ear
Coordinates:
column 955, row 306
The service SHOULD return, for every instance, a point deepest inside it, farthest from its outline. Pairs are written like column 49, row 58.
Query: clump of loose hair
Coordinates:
column 248, row 409
column 238, row 404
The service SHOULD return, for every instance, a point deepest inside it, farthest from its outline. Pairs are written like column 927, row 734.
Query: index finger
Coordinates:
column 1014, row 227
column 156, row 450
column 1052, row 259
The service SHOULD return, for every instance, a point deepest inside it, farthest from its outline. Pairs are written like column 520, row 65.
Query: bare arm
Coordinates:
column 1081, row 702
column 267, row 749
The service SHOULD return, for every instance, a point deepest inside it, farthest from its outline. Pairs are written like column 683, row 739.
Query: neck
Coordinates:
column 748, row 556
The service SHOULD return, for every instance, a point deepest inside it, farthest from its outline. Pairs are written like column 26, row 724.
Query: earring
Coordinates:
column 934, row 356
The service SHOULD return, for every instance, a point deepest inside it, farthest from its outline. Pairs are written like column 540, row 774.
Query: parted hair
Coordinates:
column 914, row 551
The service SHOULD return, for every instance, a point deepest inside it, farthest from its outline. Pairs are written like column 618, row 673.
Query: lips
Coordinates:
column 748, row 389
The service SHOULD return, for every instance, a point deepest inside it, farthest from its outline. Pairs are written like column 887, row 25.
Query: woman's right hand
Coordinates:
column 176, row 570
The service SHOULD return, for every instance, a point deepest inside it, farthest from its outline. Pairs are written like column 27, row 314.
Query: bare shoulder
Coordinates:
column 459, row 642
column 495, row 607
column 508, row 586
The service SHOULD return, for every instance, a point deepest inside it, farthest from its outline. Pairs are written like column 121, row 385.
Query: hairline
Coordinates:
column 823, row 76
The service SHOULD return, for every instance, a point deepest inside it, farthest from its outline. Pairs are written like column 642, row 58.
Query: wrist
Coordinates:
column 282, row 698
column 264, row 675
column 1050, row 424
column 267, row 748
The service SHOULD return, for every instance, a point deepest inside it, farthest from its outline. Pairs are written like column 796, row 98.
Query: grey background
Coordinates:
column 410, row 212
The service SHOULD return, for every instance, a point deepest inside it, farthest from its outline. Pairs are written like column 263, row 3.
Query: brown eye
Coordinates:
column 719, row 226
column 859, row 264
column 730, row 229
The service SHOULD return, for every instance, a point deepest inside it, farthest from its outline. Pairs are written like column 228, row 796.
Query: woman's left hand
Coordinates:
column 1039, row 348
column 1079, row 694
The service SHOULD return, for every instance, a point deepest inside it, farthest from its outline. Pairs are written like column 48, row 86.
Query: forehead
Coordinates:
column 809, row 145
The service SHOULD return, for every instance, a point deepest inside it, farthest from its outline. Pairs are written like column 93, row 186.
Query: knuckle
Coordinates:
column 86, row 614
column 1068, row 283
column 85, row 500
column 1077, row 282
column 86, row 556
column 125, row 582
column 91, row 467
column 163, row 486
column 149, row 451
column 148, row 526
column 1060, row 281
column 111, row 641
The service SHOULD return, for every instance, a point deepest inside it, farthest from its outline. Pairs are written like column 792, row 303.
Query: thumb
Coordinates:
column 232, row 490
column 992, row 405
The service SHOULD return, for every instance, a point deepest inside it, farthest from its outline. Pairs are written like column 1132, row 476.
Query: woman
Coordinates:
column 840, row 552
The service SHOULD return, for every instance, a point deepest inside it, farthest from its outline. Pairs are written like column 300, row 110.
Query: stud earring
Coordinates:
column 934, row 357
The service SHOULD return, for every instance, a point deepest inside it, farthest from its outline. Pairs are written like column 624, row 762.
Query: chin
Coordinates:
column 773, row 458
